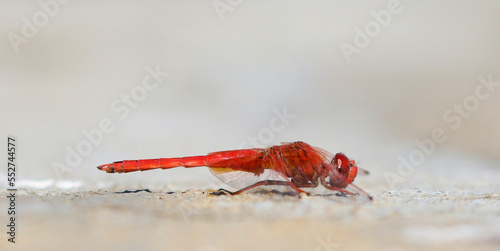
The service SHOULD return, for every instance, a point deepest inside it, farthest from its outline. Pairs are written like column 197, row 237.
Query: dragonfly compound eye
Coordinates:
column 342, row 164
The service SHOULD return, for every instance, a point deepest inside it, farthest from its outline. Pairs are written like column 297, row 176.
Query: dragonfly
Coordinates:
column 296, row 164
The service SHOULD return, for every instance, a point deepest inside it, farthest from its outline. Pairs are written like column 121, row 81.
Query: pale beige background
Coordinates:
column 227, row 76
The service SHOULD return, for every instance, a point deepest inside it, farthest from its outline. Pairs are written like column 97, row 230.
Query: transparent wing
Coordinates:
column 241, row 179
column 325, row 155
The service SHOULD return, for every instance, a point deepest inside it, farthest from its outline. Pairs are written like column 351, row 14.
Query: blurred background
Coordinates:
column 366, row 79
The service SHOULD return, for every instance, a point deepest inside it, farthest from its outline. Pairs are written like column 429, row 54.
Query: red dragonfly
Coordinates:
column 297, row 164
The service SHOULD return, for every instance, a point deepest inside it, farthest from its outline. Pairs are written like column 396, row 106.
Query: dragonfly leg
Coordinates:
column 340, row 190
column 347, row 192
column 328, row 186
column 267, row 183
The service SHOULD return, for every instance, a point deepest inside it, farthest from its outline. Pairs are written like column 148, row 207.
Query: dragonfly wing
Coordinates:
column 325, row 155
column 243, row 168
column 240, row 179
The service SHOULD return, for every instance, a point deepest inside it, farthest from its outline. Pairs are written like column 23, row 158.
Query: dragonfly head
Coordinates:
column 346, row 168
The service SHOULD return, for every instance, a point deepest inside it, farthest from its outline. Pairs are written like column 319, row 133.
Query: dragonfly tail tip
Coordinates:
column 102, row 167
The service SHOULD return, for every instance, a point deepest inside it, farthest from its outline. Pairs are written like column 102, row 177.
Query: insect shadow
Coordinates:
column 260, row 191
column 339, row 194
column 136, row 191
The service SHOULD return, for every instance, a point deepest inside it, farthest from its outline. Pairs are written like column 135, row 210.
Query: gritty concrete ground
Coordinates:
column 262, row 219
